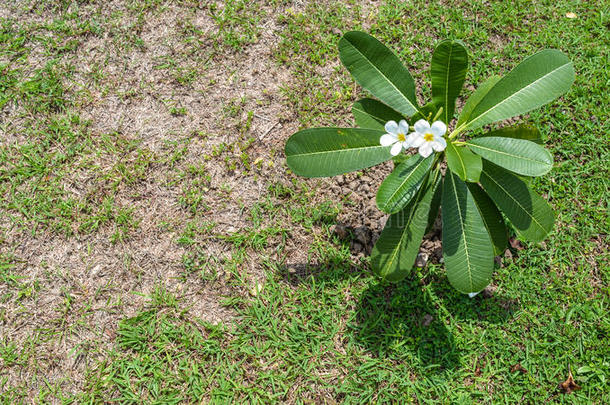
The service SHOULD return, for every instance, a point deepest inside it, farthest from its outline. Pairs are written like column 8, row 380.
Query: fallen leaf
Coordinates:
column 569, row 385
column 571, row 15
column 518, row 367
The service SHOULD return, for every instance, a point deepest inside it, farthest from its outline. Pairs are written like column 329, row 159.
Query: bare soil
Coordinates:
column 87, row 283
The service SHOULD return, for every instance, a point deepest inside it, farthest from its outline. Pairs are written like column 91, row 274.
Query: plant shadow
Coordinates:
column 409, row 321
column 412, row 321
column 393, row 321
column 400, row 322
column 489, row 306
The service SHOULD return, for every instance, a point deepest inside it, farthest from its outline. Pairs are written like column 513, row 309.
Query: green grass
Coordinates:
column 292, row 343
column 323, row 330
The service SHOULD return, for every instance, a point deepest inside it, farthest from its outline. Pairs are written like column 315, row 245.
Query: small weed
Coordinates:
column 201, row 264
column 238, row 23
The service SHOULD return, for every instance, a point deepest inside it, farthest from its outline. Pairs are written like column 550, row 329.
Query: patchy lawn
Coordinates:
column 154, row 248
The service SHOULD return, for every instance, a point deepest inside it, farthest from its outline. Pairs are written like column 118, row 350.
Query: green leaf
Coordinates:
column 370, row 113
column 402, row 184
column 521, row 131
column 448, row 71
column 426, row 112
column 463, row 162
column 537, row 80
column 467, row 247
column 491, row 216
column 320, row 152
column 398, row 159
column 475, row 98
column 395, row 251
column 379, row 71
column 435, row 205
column 531, row 216
column 518, row 155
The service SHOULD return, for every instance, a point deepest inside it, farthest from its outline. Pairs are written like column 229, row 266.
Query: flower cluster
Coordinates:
column 427, row 138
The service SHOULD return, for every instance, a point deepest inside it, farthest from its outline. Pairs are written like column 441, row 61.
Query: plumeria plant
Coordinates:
column 477, row 183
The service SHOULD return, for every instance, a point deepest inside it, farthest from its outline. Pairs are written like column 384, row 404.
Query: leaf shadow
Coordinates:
column 489, row 306
column 408, row 321
column 399, row 321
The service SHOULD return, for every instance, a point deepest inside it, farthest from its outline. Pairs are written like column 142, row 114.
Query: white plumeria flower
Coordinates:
column 396, row 136
column 428, row 137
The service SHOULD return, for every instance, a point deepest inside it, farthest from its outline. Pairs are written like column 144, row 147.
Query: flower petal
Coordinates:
column 425, row 150
column 387, row 139
column 403, row 127
column 396, row 148
column 416, row 140
column 472, row 295
column 391, row 127
column 439, row 144
column 440, row 140
column 438, row 128
column 421, row 126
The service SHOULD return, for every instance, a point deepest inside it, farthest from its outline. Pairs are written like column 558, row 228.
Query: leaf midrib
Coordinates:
column 470, row 124
column 506, row 153
column 486, row 223
column 402, row 183
column 461, row 160
column 517, row 202
column 378, row 119
column 408, row 223
column 463, row 118
column 384, row 76
column 447, row 84
column 457, row 201
column 337, row 150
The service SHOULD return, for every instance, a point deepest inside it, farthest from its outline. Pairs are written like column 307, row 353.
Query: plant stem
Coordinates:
column 438, row 114
column 455, row 132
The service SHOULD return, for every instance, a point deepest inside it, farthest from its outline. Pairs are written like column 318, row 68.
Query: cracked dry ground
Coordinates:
column 176, row 140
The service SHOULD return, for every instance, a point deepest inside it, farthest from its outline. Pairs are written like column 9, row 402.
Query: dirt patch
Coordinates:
column 86, row 283
column 186, row 136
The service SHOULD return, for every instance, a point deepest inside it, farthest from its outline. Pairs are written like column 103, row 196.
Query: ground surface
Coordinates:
column 154, row 247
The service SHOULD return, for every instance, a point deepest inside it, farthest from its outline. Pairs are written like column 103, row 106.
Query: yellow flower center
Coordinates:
column 428, row 137
column 401, row 137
